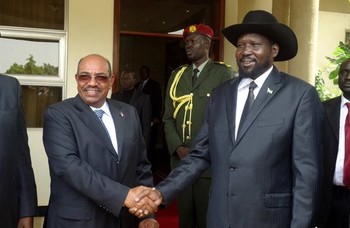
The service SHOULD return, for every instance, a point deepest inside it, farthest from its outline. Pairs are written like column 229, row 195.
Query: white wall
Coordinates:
column 90, row 30
column 332, row 28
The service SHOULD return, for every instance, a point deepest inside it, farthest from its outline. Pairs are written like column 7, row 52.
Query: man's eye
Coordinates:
column 84, row 77
column 102, row 79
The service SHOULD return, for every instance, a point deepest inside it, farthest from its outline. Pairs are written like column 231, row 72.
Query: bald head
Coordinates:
column 95, row 57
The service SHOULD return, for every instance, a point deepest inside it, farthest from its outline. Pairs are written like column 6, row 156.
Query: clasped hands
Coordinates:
column 143, row 201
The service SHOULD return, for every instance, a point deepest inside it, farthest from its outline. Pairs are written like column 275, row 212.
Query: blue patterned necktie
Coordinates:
column 99, row 113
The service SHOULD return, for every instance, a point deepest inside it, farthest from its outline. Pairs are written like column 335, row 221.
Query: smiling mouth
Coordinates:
column 92, row 92
column 247, row 62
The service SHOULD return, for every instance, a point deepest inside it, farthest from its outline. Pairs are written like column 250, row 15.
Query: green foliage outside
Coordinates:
column 341, row 53
column 30, row 68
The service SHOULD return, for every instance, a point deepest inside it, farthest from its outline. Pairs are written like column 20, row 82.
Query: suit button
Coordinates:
column 232, row 168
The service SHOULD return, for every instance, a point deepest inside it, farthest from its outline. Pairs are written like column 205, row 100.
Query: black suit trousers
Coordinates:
column 340, row 208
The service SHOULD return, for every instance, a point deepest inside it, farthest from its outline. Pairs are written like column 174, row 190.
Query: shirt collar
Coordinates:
column 259, row 81
column 200, row 67
column 104, row 107
column 343, row 100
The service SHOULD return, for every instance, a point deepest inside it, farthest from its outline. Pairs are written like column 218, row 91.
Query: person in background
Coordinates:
column 186, row 98
column 262, row 138
column 18, row 196
column 151, row 87
column 336, row 154
column 96, row 155
column 139, row 100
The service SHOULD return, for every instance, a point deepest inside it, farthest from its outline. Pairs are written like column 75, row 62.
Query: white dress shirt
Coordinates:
column 242, row 94
column 109, row 123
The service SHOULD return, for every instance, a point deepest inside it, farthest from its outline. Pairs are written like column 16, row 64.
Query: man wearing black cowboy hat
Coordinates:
column 265, row 158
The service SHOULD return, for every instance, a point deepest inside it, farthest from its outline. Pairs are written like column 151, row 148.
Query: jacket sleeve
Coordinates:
column 28, row 194
column 307, row 158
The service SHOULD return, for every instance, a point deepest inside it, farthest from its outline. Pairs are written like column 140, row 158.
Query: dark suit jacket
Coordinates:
column 152, row 88
column 17, row 190
column 142, row 103
column 331, row 141
column 269, row 176
column 89, row 181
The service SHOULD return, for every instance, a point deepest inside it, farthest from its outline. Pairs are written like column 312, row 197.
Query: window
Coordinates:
column 36, row 58
column 48, row 14
column 33, row 39
column 347, row 36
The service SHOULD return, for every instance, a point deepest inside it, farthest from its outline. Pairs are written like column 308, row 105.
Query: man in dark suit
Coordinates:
column 337, row 197
column 190, row 93
column 151, row 87
column 139, row 100
column 18, row 199
column 96, row 154
column 265, row 168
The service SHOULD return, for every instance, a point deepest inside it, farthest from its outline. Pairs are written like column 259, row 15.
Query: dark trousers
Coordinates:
column 193, row 204
column 152, row 150
column 340, row 208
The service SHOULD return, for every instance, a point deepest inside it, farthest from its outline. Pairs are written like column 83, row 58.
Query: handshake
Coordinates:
column 143, row 201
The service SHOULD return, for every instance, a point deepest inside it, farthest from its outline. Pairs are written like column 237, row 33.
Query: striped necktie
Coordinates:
column 248, row 103
column 99, row 113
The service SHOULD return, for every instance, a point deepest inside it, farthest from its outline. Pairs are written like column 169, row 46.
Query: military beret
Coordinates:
column 198, row 28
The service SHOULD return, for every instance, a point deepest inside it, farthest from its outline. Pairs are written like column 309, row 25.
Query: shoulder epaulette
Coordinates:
column 178, row 68
column 222, row 63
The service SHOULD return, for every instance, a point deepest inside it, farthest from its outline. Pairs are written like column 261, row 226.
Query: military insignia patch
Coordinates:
column 192, row 29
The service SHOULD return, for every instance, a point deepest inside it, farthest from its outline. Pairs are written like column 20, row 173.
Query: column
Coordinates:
column 281, row 10
column 304, row 22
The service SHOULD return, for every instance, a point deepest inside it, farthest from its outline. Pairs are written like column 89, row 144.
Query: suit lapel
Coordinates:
column 187, row 77
column 231, row 98
column 272, row 84
column 203, row 75
column 334, row 110
column 88, row 117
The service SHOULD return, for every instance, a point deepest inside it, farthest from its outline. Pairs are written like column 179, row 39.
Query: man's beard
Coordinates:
column 255, row 72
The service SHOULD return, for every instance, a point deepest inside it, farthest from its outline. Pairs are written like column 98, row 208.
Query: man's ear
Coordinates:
column 275, row 49
column 111, row 81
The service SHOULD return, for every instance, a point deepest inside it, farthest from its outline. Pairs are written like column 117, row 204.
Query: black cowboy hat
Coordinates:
column 264, row 23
